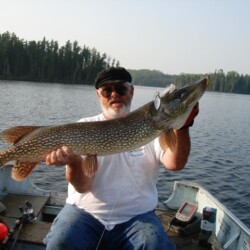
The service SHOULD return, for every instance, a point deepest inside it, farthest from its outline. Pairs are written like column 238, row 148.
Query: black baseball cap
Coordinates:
column 112, row 75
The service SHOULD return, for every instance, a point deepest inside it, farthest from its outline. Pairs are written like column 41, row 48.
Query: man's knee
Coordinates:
column 73, row 229
column 154, row 237
column 149, row 233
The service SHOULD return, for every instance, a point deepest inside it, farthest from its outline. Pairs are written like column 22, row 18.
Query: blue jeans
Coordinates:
column 73, row 228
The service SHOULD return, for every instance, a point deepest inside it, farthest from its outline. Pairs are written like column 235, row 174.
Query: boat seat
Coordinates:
column 31, row 232
column 12, row 202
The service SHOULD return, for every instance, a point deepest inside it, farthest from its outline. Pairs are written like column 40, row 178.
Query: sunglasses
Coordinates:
column 119, row 89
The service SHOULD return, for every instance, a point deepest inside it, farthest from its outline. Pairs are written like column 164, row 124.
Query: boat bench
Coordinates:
column 31, row 232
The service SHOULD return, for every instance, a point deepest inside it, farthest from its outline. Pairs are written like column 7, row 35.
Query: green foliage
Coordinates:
column 147, row 77
column 231, row 82
column 46, row 61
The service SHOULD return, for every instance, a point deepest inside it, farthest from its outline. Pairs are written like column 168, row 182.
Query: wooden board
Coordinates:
column 34, row 232
column 12, row 203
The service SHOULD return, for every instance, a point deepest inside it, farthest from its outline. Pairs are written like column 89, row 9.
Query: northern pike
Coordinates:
column 165, row 113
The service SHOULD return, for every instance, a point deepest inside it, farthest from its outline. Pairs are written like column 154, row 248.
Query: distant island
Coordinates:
column 46, row 61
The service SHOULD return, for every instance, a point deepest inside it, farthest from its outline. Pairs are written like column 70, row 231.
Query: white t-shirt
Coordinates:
column 124, row 185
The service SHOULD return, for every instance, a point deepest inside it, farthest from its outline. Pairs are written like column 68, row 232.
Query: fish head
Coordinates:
column 175, row 107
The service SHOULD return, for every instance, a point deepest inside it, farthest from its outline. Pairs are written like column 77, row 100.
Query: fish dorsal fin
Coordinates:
column 167, row 139
column 15, row 134
column 22, row 169
column 90, row 165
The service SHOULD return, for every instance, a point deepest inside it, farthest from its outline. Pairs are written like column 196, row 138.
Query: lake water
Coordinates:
column 220, row 154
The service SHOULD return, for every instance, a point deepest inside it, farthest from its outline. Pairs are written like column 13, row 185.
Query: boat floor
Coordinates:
column 189, row 242
column 34, row 233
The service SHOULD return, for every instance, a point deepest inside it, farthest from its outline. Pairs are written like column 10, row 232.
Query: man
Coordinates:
column 112, row 208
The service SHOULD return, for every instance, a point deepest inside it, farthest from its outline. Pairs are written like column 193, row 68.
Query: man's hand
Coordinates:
column 190, row 120
column 74, row 170
column 60, row 157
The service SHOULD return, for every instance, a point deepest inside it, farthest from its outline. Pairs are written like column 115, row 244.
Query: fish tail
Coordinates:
column 15, row 134
column 21, row 170
column 2, row 158
column 5, row 156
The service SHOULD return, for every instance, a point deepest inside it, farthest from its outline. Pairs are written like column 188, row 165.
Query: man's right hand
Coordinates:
column 60, row 157
column 74, row 170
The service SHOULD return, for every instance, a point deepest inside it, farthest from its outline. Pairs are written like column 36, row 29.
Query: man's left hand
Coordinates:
column 190, row 120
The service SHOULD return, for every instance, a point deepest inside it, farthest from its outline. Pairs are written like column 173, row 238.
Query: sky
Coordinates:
column 172, row 36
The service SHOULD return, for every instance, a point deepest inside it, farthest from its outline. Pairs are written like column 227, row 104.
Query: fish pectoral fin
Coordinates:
column 90, row 165
column 167, row 139
column 22, row 169
column 15, row 134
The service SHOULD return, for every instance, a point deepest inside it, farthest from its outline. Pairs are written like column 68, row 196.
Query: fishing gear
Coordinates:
column 28, row 216
column 28, row 213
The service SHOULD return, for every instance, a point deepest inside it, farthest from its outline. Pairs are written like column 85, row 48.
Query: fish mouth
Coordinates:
column 191, row 94
column 187, row 96
column 177, row 105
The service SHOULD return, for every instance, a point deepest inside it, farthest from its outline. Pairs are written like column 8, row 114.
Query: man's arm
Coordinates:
column 74, row 168
column 175, row 158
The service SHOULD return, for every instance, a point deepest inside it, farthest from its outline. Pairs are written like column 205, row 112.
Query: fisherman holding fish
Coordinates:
column 112, row 207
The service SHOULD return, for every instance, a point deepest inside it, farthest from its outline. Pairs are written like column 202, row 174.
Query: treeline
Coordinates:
column 46, row 61
column 231, row 82
column 145, row 77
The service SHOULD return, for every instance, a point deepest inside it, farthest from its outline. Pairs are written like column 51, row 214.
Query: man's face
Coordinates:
column 115, row 99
